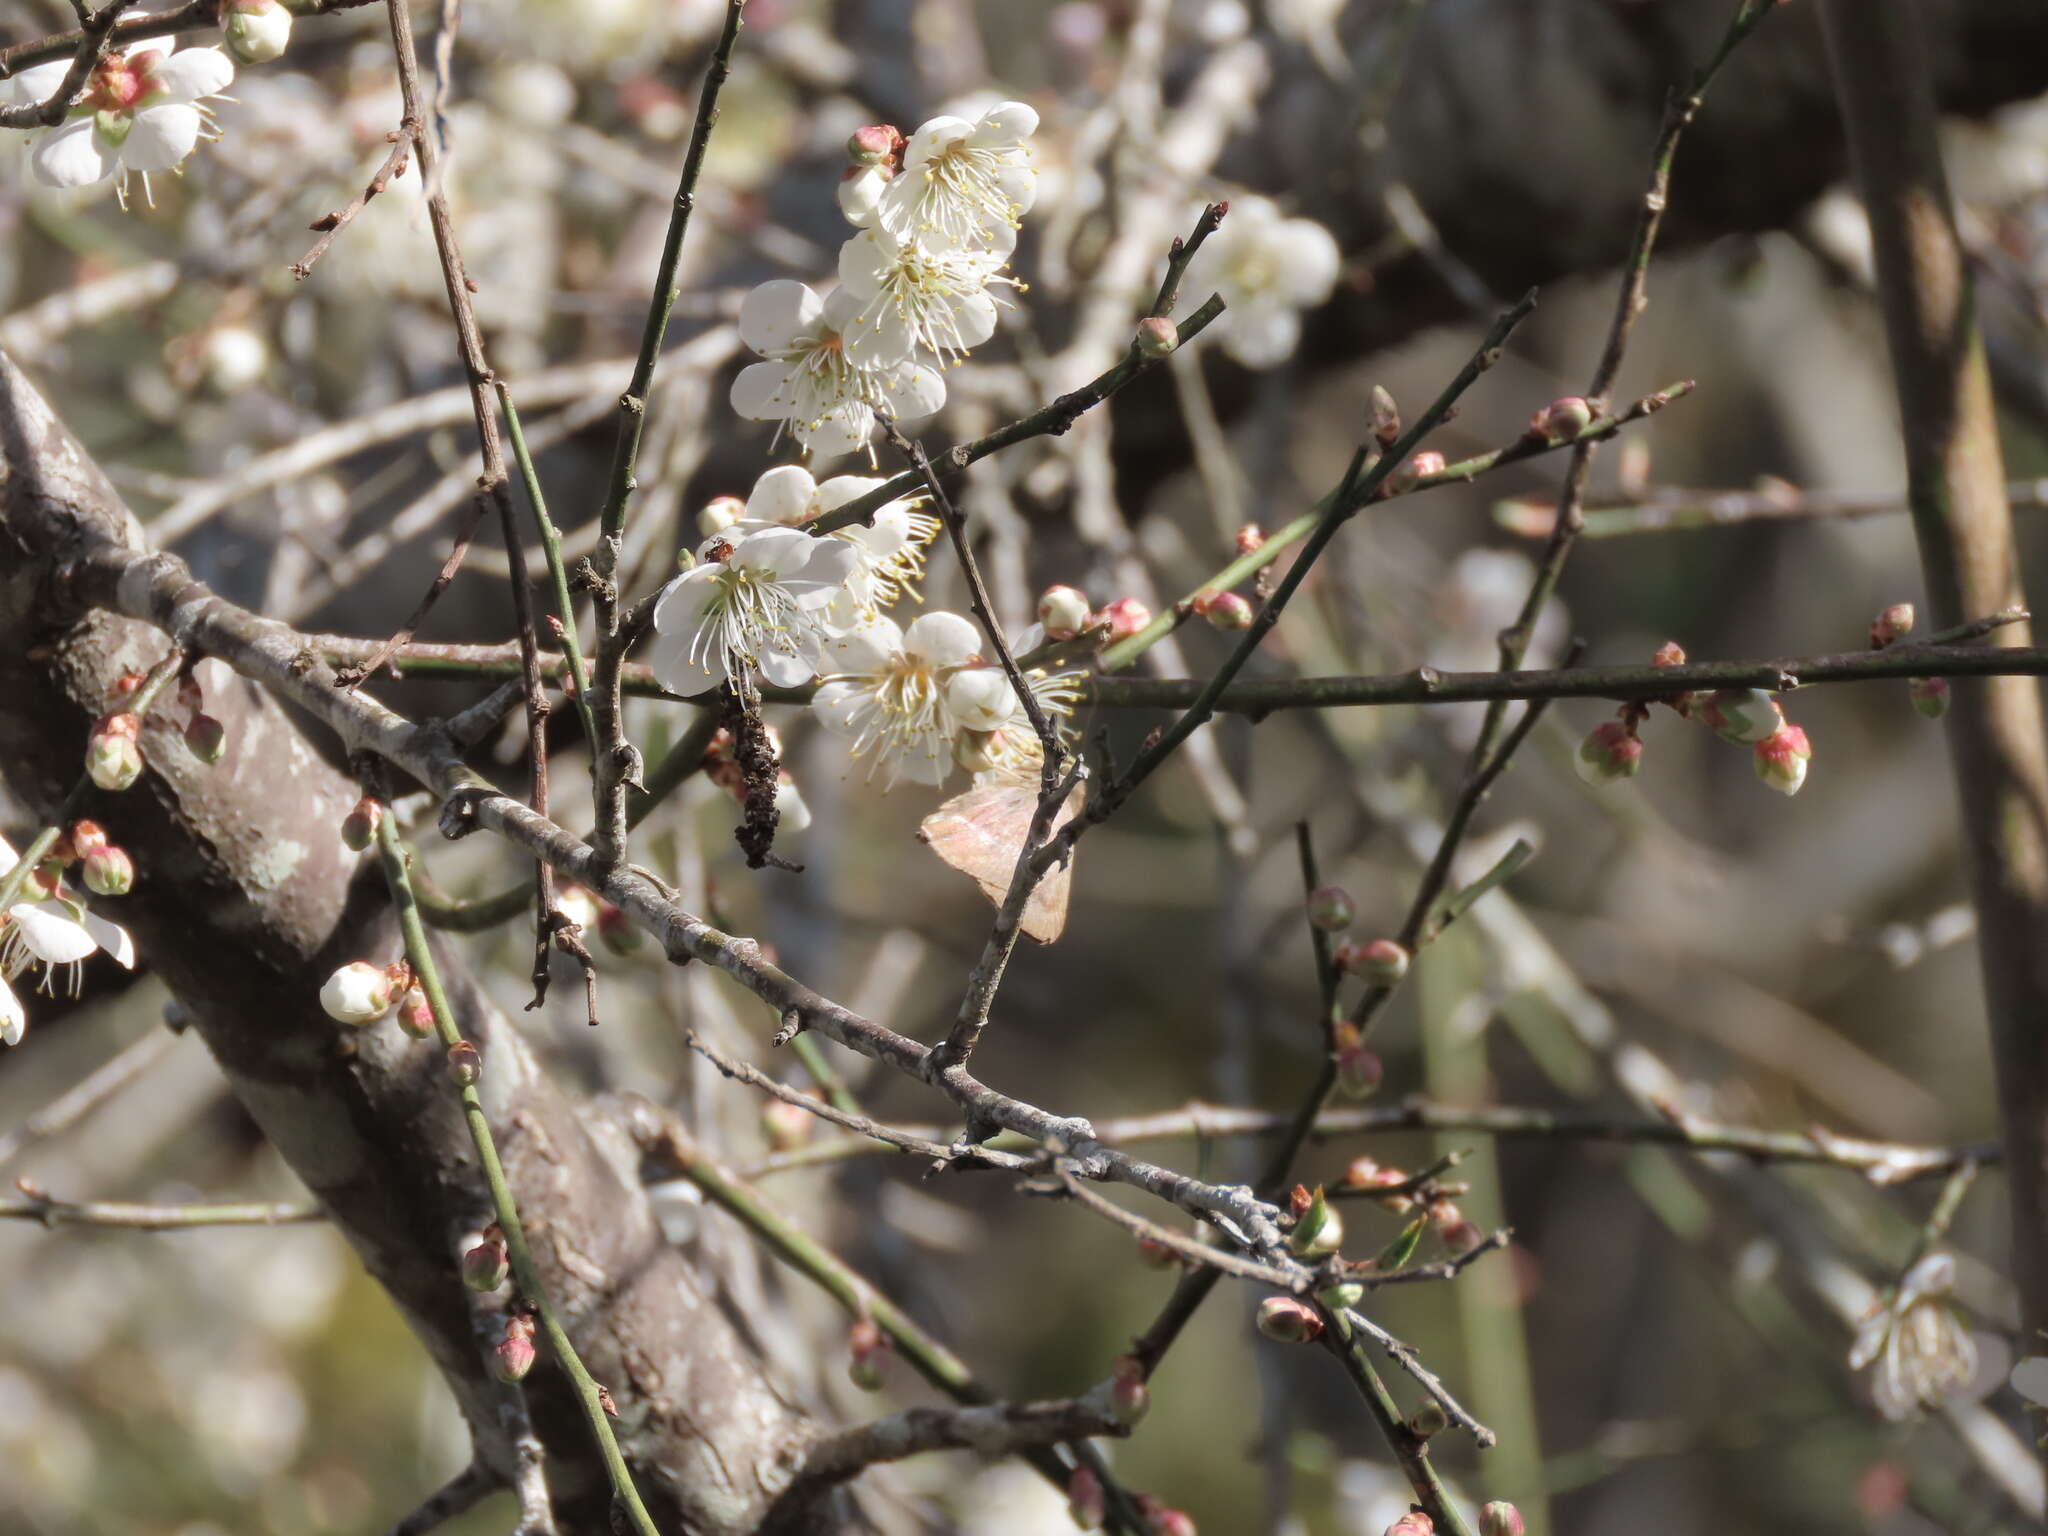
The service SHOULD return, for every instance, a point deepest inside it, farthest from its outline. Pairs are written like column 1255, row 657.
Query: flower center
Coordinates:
column 118, row 85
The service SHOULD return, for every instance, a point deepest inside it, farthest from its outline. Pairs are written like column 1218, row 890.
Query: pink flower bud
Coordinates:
column 787, row 1126
column 1669, row 654
column 869, row 1350
column 874, row 144
column 109, row 871
column 1428, row 1419
column 1561, row 420
column 719, row 514
column 465, row 1062
column 513, row 1357
column 1500, row 1518
column 1084, row 1499
column 1359, row 1071
column 1781, row 759
column 1611, row 752
column 206, row 738
column 1414, row 1523
column 359, row 826
column 128, row 684
column 1122, row 618
column 1129, row 1396
column 1411, row 472
column 1289, row 1321
column 1331, row 908
column 1742, row 715
column 1318, row 1230
column 1386, row 417
column 485, row 1266
column 1380, row 962
column 1063, row 611
column 1227, row 611
column 1360, row 1172
column 416, row 1014
column 1457, row 1234
column 359, row 993
column 113, row 756
column 86, row 836
column 1250, row 537
column 1893, row 623
column 1930, row 695
column 1156, row 336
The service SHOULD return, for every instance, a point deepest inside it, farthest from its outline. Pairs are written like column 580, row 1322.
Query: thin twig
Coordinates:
column 91, row 47
column 107, row 1080
column 33, row 1205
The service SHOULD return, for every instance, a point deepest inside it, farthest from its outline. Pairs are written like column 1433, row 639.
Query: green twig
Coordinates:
column 558, row 575
column 420, row 956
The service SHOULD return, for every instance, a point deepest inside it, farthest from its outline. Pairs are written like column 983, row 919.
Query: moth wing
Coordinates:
column 981, row 832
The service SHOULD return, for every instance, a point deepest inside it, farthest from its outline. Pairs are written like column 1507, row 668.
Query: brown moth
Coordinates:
column 981, row 833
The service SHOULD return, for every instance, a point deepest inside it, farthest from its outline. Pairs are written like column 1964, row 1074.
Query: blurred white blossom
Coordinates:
column 1269, row 268
column 1918, row 1351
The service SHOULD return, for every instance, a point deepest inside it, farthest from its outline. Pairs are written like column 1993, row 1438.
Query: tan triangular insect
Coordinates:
column 980, row 834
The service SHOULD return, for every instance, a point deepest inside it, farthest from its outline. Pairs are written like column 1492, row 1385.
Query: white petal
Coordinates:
column 762, row 392
column 776, row 314
column 841, row 309
column 8, row 857
column 940, row 133
column 867, row 647
column 788, row 667
column 72, row 155
column 1020, row 185
column 915, row 392
column 1262, row 334
column 2030, row 1380
column 782, row 495
column 860, row 196
column 974, row 314
column 13, row 1017
column 112, row 938
column 161, row 137
column 831, row 562
column 773, row 552
column 789, row 802
column 1307, row 259
column 927, row 761
column 844, row 428
column 669, row 657
column 33, row 85
column 1009, row 122
column 836, row 705
column 191, row 73
column 51, row 933
column 943, row 639
column 840, row 489
column 1027, row 639
column 981, row 699
column 680, row 607
column 865, row 260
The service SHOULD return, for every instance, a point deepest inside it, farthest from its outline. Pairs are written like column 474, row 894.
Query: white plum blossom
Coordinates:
column 811, row 378
column 143, row 111
column 1269, row 268
column 886, row 693
column 52, row 931
column 888, row 553
column 1918, row 1350
column 751, row 605
column 914, row 294
column 962, row 181
column 256, row 31
column 860, row 193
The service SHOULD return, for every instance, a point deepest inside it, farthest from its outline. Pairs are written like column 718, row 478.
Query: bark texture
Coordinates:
column 246, row 899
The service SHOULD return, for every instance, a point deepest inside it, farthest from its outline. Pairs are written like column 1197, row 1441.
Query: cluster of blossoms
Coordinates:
column 46, row 927
column 1748, row 717
column 143, row 109
column 937, row 216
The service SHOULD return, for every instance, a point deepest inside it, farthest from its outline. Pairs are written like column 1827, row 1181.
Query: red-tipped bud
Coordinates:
column 1249, row 538
column 1289, row 1321
column 1414, row 1523
column 513, row 1356
column 416, row 1014
column 1386, row 417
column 1457, row 1233
column 1359, row 1071
column 1894, row 623
column 1318, row 1230
column 128, row 684
column 1428, row 1419
column 1669, row 654
column 113, row 755
column 206, row 739
column 1063, row 611
column 1742, row 715
column 1331, row 908
column 1781, row 759
column 1611, row 752
column 86, row 836
column 359, row 826
column 1500, row 1518
column 1085, row 1499
column 465, row 1062
column 1379, row 962
column 874, row 144
column 1122, row 618
column 1129, row 1396
column 787, row 1126
column 719, row 514
column 1411, row 472
column 109, row 871
column 1930, row 695
column 1227, row 611
column 1156, row 336
column 868, row 1350
column 359, row 993
column 485, row 1266
column 1562, row 420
